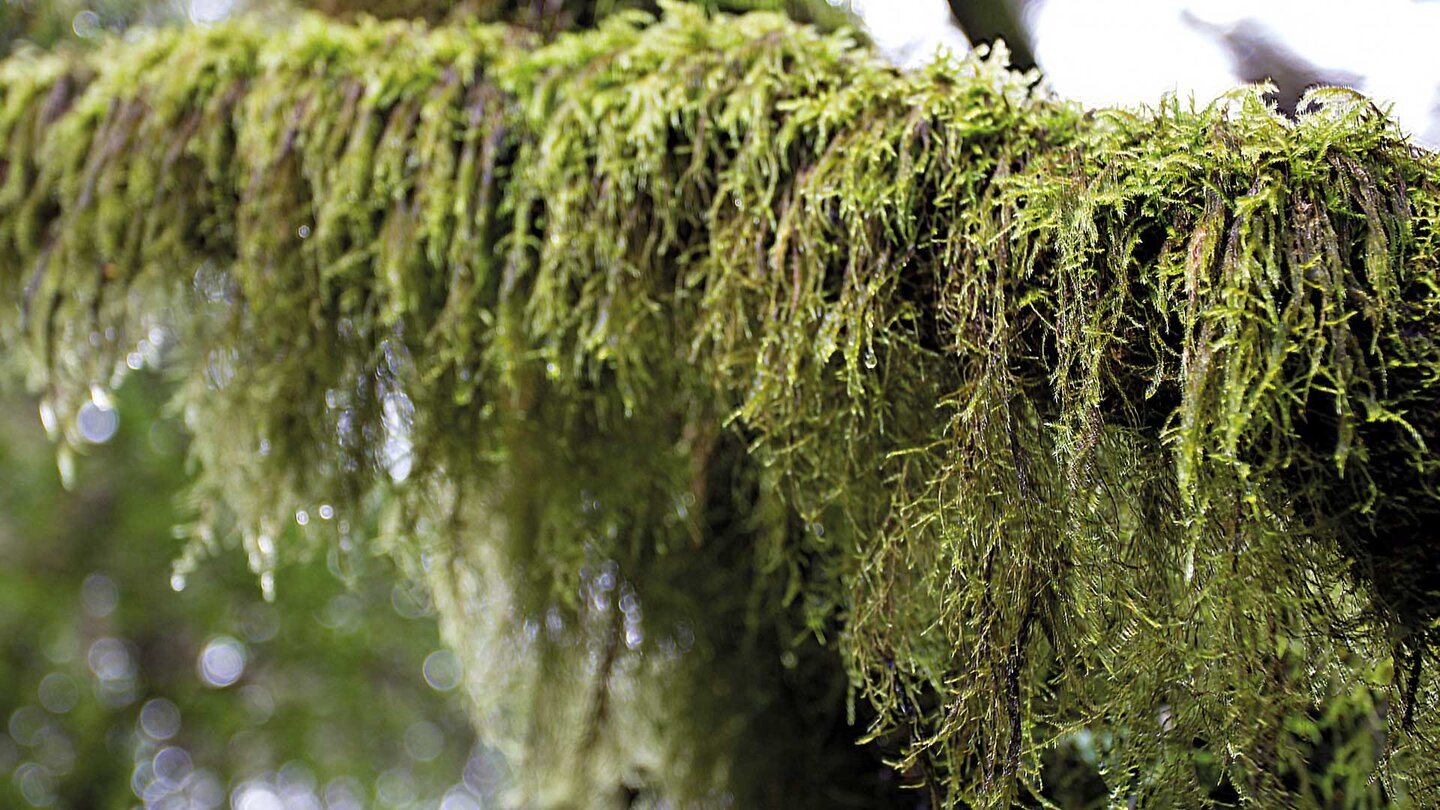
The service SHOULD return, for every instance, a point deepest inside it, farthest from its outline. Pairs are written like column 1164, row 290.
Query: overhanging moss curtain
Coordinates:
column 1010, row 420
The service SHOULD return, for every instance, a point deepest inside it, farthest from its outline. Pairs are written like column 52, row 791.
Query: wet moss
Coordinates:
column 1033, row 421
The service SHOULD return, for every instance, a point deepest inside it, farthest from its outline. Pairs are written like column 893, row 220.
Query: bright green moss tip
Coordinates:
column 714, row 370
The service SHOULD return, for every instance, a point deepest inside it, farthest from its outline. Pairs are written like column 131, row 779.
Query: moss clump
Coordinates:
column 713, row 370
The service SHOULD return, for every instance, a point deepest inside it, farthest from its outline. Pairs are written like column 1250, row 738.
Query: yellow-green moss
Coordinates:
column 1043, row 424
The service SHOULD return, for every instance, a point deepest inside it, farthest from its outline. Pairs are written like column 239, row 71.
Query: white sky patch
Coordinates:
column 909, row 32
column 209, row 12
column 1126, row 53
column 1131, row 52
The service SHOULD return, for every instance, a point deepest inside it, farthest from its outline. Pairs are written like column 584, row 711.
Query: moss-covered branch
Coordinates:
column 1104, row 431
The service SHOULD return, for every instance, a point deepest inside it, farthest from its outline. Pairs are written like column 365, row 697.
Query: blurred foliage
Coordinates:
column 117, row 688
column 558, row 15
column 47, row 23
column 101, row 682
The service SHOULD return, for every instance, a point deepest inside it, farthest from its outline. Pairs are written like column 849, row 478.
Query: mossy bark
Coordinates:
column 715, row 371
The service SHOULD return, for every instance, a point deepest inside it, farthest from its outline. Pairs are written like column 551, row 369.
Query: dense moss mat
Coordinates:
column 732, row 387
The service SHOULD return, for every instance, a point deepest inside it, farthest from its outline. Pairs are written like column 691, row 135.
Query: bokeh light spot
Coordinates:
column 160, row 719
column 97, row 423
column 442, row 670
column 222, row 662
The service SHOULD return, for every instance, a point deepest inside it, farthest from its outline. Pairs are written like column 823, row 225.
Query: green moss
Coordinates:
column 1037, row 430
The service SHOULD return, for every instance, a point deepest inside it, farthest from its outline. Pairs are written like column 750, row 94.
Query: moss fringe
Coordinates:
column 1054, row 430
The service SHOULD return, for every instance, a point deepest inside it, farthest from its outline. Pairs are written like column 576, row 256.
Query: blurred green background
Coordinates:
column 118, row 691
